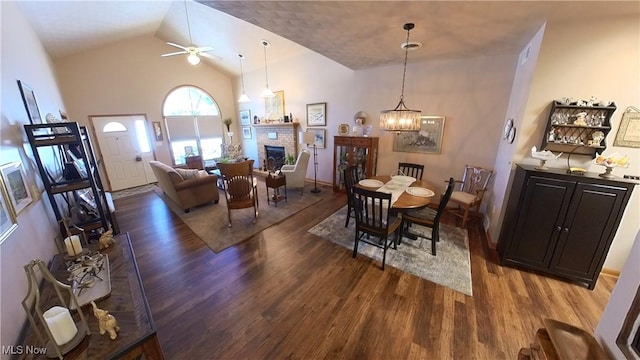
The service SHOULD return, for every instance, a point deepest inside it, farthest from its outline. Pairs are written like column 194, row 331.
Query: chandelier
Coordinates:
column 402, row 118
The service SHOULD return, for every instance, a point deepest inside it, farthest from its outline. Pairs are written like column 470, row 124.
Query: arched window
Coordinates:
column 193, row 124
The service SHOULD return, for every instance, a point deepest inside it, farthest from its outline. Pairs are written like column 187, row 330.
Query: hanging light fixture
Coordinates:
column 243, row 98
column 402, row 118
column 266, row 93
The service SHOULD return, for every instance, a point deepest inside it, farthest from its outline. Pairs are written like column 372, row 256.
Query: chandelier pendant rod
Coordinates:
column 188, row 24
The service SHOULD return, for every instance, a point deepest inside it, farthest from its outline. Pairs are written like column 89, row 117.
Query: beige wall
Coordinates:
column 106, row 82
column 579, row 60
column 34, row 237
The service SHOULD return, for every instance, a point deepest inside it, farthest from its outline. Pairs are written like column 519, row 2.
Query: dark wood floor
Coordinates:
column 288, row 294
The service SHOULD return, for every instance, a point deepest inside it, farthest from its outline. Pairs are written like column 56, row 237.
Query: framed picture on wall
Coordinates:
column 15, row 181
column 428, row 140
column 30, row 104
column 319, row 137
column 245, row 117
column 8, row 221
column 246, row 132
column 274, row 107
column 157, row 131
column 316, row 114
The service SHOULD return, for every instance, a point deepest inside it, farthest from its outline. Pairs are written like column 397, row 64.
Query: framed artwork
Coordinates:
column 317, row 114
column 8, row 221
column 274, row 107
column 30, row 104
column 319, row 137
column 629, row 131
column 15, row 181
column 245, row 117
column 157, row 131
column 246, row 132
column 428, row 140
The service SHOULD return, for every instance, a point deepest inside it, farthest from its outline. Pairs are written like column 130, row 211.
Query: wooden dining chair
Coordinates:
column 240, row 188
column 409, row 169
column 469, row 192
column 428, row 217
column 374, row 219
column 350, row 180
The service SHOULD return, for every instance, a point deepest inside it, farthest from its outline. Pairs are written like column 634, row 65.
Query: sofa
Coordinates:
column 186, row 187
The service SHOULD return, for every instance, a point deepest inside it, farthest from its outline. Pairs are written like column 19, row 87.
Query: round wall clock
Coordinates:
column 512, row 135
column 507, row 128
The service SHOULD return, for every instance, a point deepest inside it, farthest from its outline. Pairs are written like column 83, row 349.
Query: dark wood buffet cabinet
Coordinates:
column 562, row 224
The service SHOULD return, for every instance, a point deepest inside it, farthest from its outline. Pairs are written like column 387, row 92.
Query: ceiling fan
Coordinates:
column 192, row 51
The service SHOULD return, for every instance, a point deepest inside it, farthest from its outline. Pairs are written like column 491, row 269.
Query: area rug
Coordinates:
column 451, row 267
column 210, row 221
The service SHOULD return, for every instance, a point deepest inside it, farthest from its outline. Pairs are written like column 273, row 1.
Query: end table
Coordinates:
column 275, row 182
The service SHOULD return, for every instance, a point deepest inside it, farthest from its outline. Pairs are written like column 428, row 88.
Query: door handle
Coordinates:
column 138, row 158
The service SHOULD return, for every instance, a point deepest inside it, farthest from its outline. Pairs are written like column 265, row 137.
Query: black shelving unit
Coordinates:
column 564, row 134
column 79, row 186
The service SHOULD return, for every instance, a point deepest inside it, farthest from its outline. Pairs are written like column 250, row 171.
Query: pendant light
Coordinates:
column 402, row 118
column 266, row 93
column 243, row 98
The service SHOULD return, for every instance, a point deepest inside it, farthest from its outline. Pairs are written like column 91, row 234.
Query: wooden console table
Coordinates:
column 127, row 302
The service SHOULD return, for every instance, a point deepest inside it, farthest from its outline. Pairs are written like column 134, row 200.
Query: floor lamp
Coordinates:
column 309, row 137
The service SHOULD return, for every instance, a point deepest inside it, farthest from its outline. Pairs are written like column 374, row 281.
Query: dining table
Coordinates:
column 409, row 199
column 406, row 201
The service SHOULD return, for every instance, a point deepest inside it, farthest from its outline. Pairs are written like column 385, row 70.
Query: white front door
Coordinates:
column 125, row 149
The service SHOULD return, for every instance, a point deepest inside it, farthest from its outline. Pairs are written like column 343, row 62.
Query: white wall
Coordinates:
column 34, row 237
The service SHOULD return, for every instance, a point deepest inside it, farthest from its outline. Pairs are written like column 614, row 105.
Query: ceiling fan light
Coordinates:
column 193, row 59
column 244, row 98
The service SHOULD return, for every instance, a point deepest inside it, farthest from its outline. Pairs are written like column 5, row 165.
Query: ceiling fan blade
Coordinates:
column 175, row 53
column 210, row 56
column 204, row 48
column 178, row 46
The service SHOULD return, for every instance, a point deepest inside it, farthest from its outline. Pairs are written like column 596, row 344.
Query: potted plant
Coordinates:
column 227, row 122
column 290, row 160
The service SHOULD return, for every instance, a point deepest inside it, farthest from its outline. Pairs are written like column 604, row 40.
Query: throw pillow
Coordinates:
column 188, row 174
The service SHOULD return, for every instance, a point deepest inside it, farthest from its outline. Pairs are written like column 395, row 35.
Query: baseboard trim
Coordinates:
column 610, row 272
column 490, row 243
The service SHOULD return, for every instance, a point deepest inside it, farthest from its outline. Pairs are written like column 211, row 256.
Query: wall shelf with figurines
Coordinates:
column 579, row 127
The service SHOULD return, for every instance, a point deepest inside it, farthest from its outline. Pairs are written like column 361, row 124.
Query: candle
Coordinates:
column 73, row 245
column 60, row 324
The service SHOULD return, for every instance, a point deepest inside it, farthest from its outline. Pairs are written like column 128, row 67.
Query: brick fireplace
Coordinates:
column 276, row 134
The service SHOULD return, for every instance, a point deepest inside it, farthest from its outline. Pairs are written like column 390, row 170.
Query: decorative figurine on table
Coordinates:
column 106, row 239
column 543, row 156
column 106, row 322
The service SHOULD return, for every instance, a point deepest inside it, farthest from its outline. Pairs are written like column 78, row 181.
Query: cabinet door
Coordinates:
column 588, row 230
column 541, row 213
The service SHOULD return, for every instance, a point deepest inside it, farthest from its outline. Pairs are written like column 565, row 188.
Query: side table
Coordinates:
column 137, row 337
column 275, row 182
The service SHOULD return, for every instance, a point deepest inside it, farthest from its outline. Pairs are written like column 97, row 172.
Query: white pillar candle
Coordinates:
column 61, row 324
column 73, row 245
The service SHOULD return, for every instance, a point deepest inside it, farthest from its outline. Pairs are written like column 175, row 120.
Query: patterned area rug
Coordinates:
column 210, row 221
column 451, row 267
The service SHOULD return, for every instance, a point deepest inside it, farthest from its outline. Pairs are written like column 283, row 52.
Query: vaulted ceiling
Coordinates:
column 357, row 34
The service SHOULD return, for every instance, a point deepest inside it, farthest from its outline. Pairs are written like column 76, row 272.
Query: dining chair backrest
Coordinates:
column 410, row 169
column 475, row 180
column 443, row 201
column 238, row 183
column 350, row 175
column 372, row 210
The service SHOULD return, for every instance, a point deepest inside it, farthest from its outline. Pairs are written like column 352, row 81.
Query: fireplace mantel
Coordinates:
column 277, row 125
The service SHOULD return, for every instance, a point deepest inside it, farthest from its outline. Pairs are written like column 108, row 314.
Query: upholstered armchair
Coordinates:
column 297, row 173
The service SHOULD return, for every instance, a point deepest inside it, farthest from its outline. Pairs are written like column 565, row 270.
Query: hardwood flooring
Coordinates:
column 288, row 294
